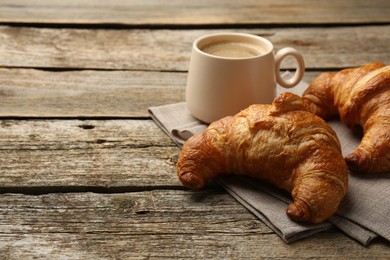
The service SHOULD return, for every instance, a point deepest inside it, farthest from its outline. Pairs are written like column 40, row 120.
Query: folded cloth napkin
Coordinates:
column 363, row 214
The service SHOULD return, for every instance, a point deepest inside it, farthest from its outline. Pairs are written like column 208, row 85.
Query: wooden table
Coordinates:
column 84, row 171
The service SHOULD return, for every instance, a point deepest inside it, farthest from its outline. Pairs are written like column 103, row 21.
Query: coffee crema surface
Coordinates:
column 233, row 49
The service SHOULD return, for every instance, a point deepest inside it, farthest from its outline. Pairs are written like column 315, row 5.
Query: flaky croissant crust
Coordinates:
column 361, row 96
column 281, row 143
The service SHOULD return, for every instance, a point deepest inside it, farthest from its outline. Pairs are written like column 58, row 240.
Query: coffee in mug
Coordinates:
column 233, row 49
column 230, row 71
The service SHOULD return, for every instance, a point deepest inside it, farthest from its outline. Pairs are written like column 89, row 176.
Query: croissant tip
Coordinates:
column 357, row 161
column 191, row 180
column 294, row 213
column 301, row 213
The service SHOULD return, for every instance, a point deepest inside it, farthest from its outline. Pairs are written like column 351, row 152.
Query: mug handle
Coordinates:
column 294, row 80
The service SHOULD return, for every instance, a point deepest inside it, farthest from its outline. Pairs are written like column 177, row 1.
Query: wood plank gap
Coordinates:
column 42, row 190
column 70, row 69
column 65, row 69
column 82, row 118
column 119, row 26
column 59, row 69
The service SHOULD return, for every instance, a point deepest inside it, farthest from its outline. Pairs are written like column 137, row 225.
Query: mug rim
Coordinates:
column 215, row 37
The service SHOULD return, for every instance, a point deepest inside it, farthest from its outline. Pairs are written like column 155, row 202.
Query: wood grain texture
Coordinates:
column 194, row 12
column 153, row 225
column 169, row 50
column 37, row 93
column 40, row 156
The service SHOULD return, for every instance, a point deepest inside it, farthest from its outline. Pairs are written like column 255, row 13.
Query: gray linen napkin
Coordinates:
column 363, row 214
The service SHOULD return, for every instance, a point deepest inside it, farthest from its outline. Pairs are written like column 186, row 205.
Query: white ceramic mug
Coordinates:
column 230, row 71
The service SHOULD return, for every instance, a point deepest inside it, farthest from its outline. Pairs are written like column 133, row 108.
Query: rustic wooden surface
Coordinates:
column 84, row 171
column 199, row 12
column 169, row 50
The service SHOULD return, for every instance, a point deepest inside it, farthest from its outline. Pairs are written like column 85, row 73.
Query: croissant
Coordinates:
column 281, row 143
column 361, row 96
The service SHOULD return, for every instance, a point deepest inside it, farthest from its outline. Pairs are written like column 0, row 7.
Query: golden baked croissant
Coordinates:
column 282, row 143
column 361, row 96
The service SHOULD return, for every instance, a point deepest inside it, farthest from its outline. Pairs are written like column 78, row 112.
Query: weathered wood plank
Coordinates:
column 41, row 156
column 194, row 12
column 36, row 93
column 154, row 224
column 169, row 50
